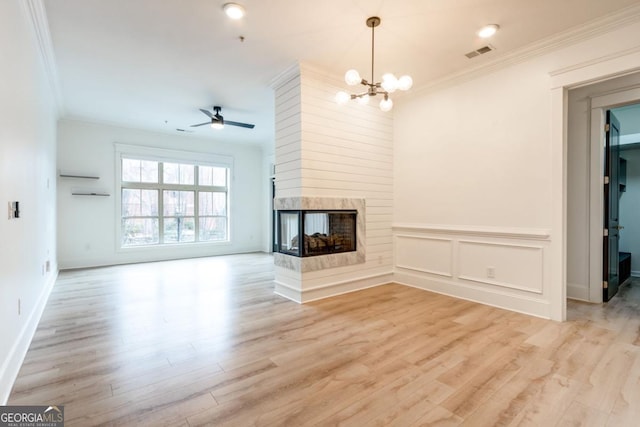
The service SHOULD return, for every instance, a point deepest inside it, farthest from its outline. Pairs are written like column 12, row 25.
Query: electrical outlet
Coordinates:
column 491, row 272
column 47, row 266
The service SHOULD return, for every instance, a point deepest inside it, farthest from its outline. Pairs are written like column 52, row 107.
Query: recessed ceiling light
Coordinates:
column 234, row 10
column 488, row 30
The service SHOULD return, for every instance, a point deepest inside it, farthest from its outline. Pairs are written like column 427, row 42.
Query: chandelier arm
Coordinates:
column 359, row 95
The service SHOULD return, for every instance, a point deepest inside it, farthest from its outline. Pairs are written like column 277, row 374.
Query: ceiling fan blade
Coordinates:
column 242, row 125
column 201, row 124
column 208, row 113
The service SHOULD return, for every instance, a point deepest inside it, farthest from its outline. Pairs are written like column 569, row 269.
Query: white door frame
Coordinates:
column 584, row 74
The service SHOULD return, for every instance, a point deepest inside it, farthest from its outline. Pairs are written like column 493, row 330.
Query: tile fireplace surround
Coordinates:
column 322, row 262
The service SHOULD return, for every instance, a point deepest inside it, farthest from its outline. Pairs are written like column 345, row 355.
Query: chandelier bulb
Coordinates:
column 386, row 104
column 352, row 77
column 342, row 97
column 405, row 83
column 389, row 83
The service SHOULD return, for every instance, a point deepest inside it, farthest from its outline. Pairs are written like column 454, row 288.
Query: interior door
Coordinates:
column 611, row 254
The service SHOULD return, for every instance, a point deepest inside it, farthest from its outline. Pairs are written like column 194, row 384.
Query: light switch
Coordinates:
column 14, row 210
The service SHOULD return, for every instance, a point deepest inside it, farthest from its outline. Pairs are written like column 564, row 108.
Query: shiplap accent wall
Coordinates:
column 328, row 150
column 288, row 174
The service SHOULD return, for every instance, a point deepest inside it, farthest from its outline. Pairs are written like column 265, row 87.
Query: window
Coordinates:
column 168, row 202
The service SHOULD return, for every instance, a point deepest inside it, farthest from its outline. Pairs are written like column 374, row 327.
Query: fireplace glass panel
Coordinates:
column 324, row 232
column 289, row 230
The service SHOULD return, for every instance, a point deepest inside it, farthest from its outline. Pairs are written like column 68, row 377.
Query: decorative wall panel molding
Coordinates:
column 504, row 232
column 507, row 265
column 425, row 254
column 503, row 267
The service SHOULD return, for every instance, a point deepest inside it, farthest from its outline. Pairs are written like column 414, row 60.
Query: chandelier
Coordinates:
column 388, row 85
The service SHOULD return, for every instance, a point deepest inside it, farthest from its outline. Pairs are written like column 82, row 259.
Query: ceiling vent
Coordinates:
column 481, row 51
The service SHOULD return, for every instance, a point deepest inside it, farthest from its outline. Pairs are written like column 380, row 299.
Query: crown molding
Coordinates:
column 40, row 25
column 308, row 67
column 602, row 25
column 594, row 61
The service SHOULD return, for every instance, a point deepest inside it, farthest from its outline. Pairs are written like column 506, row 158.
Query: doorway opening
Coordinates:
column 629, row 192
column 604, row 130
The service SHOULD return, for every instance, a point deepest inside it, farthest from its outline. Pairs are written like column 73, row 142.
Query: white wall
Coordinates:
column 27, row 175
column 87, row 225
column 327, row 150
column 629, row 209
column 474, row 165
column 472, row 155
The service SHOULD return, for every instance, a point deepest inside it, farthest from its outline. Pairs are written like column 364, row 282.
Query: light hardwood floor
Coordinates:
column 206, row 342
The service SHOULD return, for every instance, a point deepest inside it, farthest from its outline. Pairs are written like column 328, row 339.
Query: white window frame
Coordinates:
column 167, row 156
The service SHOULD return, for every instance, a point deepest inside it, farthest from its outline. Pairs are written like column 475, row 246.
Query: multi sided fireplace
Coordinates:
column 323, row 232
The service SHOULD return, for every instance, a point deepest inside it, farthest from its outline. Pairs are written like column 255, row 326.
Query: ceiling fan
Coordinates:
column 218, row 122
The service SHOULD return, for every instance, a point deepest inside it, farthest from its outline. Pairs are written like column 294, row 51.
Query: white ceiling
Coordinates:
column 139, row 63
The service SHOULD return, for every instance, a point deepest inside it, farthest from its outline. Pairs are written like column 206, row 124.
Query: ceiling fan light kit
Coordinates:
column 389, row 84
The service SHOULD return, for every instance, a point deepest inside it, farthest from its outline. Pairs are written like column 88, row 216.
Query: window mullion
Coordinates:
column 160, row 202
column 196, row 203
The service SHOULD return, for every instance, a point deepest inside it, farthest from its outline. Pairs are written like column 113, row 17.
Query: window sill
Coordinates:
column 169, row 246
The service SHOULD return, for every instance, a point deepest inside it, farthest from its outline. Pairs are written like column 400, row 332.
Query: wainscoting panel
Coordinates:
column 502, row 267
column 425, row 254
column 510, row 266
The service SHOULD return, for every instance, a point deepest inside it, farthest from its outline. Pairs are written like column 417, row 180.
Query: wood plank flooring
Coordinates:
column 206, row 342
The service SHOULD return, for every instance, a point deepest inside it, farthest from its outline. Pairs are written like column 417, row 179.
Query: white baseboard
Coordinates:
column 288, row 292
column 77, row 264
column 635, row 273
column 507, row 301
column 11, row 366
column 520, row 304
column 332, row 289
